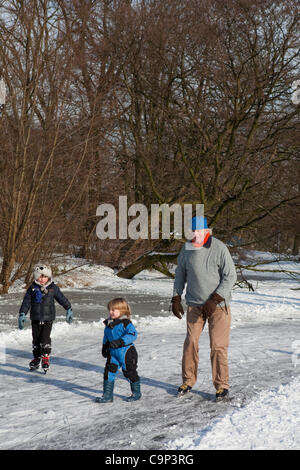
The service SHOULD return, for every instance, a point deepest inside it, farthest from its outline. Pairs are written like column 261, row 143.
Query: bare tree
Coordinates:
column 207, row 111
column 185, row 101
column 42, row 153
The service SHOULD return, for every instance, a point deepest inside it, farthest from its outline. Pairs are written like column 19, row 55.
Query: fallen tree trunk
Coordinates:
column 149, row 260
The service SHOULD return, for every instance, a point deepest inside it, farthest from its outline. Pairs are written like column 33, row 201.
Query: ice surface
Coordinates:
column 58, row 410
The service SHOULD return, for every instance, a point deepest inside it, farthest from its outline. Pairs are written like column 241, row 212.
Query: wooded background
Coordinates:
column 165, row 101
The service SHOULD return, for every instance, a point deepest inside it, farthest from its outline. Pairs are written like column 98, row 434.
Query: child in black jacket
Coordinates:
column 39, row 298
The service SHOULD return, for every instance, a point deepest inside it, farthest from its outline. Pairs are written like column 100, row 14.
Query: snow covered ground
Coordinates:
column 271, row 421
column 58, row 410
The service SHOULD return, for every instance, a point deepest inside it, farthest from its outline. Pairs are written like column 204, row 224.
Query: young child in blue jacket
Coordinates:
column 119, row 351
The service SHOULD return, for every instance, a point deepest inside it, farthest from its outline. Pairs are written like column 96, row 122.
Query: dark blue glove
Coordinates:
column 117, row 343
column 22, row 320
column 69, row 316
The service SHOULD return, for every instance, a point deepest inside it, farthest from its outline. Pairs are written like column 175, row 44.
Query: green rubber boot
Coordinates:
column 108, row 389
column 136, row 391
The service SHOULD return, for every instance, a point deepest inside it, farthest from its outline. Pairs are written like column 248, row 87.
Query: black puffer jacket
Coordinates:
column 42, row 305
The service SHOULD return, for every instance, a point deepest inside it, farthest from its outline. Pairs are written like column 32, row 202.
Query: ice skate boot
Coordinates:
column 45, row 363
column 35, row 363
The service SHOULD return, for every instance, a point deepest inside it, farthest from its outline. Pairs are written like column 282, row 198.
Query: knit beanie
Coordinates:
column 199, row 223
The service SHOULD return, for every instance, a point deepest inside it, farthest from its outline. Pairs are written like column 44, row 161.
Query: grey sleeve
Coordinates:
column 180, row 274
column 227, row 274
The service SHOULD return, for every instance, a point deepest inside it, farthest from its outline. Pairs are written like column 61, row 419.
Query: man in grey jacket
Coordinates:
column 206, row 268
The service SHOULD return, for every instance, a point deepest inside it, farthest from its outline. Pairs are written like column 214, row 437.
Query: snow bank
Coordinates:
column 79, row 274
column 271, row 421
column 273, row 264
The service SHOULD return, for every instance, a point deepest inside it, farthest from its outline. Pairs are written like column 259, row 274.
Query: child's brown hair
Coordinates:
column 121, row 304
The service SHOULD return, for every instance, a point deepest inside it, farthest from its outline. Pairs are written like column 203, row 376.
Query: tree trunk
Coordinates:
column 7, row 267
column 147, row 261
column 296, row 244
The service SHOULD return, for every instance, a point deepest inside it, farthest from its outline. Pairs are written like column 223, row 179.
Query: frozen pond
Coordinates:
column 88, row 305
column 266, row 325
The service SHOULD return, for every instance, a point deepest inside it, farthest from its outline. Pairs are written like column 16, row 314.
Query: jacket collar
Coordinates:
column 206, row 245
column 111, row 323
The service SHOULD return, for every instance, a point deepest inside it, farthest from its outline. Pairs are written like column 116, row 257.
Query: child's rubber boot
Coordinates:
column 136, row 391
column 108, row 389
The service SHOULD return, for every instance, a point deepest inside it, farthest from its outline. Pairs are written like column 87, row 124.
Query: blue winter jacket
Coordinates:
column 120, row 330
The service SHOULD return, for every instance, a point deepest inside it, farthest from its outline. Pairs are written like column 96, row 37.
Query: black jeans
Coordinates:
column 41, row 341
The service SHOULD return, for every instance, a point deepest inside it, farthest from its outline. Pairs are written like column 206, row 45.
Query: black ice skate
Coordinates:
column 35, row 363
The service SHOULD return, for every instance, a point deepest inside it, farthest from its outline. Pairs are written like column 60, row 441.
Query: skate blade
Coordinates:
column 38, row 370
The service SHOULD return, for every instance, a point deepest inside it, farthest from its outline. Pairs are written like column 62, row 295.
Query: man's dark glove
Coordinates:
column 177, row 308
column 105, row 349
column 117, row 343
column 211, row 304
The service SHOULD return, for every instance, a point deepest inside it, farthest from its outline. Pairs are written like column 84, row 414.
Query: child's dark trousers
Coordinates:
column 41, row 341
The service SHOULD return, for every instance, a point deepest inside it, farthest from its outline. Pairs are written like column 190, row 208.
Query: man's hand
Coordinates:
column 211, row 304
column 177, row 308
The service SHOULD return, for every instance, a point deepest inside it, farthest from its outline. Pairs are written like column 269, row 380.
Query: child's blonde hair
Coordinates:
column 121, row 304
